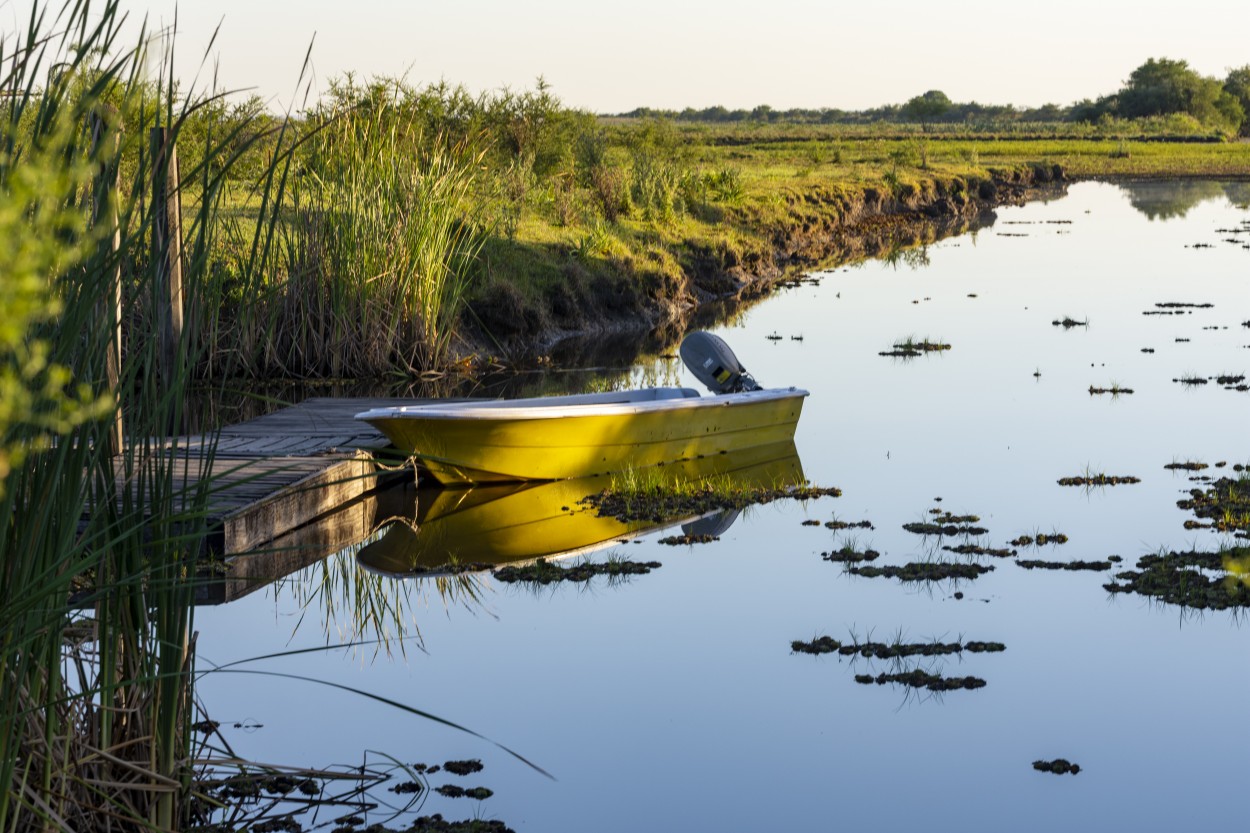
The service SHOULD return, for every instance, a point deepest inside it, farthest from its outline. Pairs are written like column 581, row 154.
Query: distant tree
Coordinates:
column 926, row 108
column 1047, row 112
column 1237, row 85
column 1162, row 86
column 763, row 113
column 1090, row 111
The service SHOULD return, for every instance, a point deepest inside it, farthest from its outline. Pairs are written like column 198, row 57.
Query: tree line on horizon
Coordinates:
column 1161, row 87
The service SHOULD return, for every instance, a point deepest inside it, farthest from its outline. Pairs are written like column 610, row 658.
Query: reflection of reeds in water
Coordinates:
column 363, row 608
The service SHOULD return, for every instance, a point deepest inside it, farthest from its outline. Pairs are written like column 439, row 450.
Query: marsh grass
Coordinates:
column 656, row 493
column 96, row 703
column 98, row 544
column 379, row 251
column 926, row 344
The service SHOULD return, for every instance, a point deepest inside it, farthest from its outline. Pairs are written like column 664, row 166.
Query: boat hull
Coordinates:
column 562, row 437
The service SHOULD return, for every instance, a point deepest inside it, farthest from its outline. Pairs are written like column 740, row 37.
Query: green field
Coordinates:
column 768, row 183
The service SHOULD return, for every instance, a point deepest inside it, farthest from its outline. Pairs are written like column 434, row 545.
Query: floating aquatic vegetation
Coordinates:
column 463, row 767
column 1068, row 322
column 837, row 524
column 848, row 555
column 977, row 549
column 893, row 650
column 456, row 791
column 1225, row 504
column 924, row 571
column 945, row 523
column 543, row 571
column 1197, row 580
column 922, row 679
column 911, row 348
column 436, row 824
column 1040, row 539
column 1058, row 766
column 1188, row 465
column 1097, row 480
column 665, row 501
column 678, row 540
column 1064, row 565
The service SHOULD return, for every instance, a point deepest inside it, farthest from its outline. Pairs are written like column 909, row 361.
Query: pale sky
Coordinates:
column 611, row 57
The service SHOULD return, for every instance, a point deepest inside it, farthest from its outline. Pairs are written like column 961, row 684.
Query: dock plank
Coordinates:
column 273, row 474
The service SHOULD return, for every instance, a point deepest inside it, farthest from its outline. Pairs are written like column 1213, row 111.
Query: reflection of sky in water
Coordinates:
column 673, row 702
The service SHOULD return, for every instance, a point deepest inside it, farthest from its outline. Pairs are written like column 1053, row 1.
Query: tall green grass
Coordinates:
column 97, row 548
column 379, row 250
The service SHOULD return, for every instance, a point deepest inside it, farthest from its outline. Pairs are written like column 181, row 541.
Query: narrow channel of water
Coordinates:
column 672, row 700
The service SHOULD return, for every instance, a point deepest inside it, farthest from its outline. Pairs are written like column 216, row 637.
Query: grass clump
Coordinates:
column 911, row 347
column 1191, row 380
column 977, row 549
column 650, row 494
column 849, row 553
column 1040, row 539
column 1115, row 389
column 918, row 678
column 1225, row 504
column 945, row 523
column 543, row 571
column 924, row 571
column 1094, row 479
column 1186, row 465
column 897, row 649
column 1033, row 564
column 1194, row 580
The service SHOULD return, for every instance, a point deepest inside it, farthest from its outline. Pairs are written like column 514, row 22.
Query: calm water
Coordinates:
column 672, row 701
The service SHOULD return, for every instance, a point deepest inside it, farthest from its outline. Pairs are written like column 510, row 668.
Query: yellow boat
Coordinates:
column 487, row 526
column 557, row 437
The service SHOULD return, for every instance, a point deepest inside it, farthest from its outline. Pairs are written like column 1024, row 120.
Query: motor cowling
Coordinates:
column 712, row 362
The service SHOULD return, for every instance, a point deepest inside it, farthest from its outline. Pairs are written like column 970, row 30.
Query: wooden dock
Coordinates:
column 277, row 473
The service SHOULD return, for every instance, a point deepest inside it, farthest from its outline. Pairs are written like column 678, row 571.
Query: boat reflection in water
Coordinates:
column 457, row 530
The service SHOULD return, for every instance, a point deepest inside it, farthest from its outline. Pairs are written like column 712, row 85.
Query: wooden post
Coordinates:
column 167, row 251
column 105, row 147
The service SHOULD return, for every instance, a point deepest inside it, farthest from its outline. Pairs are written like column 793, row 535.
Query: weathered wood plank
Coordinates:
column 293, row 505
column 319, row 416
column 276, row 473
column 349, row 524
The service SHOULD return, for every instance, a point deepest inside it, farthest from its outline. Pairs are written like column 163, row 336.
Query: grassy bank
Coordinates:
column 772, row 201
column 415, row 228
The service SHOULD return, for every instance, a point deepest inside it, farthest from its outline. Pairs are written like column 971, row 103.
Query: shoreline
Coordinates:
column 820, row 230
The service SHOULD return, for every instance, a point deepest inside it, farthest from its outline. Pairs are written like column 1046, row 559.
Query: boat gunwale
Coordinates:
column 507, row 410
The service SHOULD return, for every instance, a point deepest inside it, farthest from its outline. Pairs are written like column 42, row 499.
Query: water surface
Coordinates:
column 672, row 700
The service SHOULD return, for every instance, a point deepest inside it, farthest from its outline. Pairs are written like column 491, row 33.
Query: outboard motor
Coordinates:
column 714, row 364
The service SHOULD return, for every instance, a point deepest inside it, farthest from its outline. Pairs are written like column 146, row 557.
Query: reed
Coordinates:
column 98, row 543
column 379, row 253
